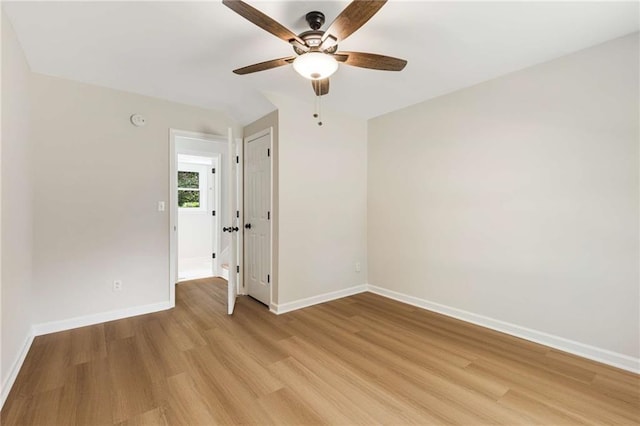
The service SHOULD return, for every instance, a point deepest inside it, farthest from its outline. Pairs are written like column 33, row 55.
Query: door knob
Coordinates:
column 247, row 226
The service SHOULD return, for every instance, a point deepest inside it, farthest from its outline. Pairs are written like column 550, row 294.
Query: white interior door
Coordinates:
column 232, row 228
column 257, row 207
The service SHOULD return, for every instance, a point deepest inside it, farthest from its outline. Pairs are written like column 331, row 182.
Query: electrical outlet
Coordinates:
column 357, row 266
column 117, row 285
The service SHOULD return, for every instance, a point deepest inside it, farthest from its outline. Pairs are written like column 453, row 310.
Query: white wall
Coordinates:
column 322, row 201
column 17, row 208
column 518, row 199
column 98, row 181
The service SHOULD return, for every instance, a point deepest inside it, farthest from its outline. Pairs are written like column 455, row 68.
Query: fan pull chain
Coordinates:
column 318, row 113
column 315, row 106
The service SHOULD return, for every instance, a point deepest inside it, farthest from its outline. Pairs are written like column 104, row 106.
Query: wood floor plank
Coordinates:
column 380, row 402
column 245, row 367
column 90, row 393
column 560, row 393
column 188, row 406
column 160, row 354
column 45, row 367
column 287, row 408
column 155, row 417
column 332, row 408
column 360, row 360
column 218, row 386
column 120, row 329
column 493, row 389
column 182, row 334
column 540, row 412
column 129, row 380
column 416, row 344
column 87, row 344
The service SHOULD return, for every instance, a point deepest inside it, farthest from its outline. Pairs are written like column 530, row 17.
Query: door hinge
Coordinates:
column 213, row 213
column 238, row 269
column 268, row 152
column 237, row 159
column 213, row 170
column 213, row 255
column 268, row 278
column 268, row 215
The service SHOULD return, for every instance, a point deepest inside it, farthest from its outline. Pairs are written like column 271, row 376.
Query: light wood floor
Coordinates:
column 360, row 360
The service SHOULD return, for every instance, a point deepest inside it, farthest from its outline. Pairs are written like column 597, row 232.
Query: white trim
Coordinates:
column 240, row 220
column 216, row 186
column 259, row 134
column 314, row 300
column 15, row 368
column 272, row 239
column 68, row 324
column 604, row 356
column 173, row 202
column 173, row 216
column 197, row 135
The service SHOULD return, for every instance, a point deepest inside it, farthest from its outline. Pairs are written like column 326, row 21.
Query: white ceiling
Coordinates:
column 185, row 51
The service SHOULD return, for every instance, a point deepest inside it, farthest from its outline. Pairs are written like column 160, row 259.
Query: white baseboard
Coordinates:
column 15, row 369
column 604, row 356
column 321, row 298
column 224, row 273
column 68, row 324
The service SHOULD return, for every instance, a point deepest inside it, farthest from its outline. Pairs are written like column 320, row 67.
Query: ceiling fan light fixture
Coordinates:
column 315, row 65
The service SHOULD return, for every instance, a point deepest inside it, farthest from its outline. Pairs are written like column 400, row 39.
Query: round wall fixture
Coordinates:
column 138, row 120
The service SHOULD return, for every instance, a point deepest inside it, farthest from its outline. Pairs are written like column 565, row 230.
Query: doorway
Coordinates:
column 198, row 215
column 257, row 217
column 197, row 207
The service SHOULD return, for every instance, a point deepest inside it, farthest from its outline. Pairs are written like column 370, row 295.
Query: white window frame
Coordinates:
column 203, row 186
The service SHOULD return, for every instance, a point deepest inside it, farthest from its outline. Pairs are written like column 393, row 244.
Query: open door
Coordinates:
column 233, row 229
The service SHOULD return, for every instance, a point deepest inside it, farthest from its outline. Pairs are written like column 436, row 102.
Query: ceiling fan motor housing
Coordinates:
column 313, row 38
column 315, row 19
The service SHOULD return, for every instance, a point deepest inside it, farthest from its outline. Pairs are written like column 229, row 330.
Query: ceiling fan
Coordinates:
column 317, row 54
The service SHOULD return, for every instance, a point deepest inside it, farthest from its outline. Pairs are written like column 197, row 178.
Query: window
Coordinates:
column 193, row 181
column 189, row 196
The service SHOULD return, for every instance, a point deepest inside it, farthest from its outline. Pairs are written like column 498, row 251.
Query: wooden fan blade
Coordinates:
column 266, row 65
column 350, row 20
column 265, row 22
column 373, row 61
column 321, row 87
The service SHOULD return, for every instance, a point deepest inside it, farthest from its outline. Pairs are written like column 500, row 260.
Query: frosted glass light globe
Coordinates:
column 315, row 65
